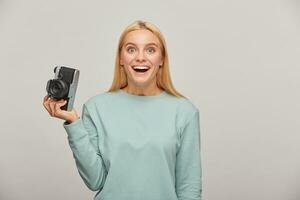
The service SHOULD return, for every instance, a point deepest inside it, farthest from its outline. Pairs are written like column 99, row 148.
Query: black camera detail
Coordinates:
column 64, row 85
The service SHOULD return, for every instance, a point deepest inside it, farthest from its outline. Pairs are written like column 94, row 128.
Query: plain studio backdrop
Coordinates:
column 237, row 61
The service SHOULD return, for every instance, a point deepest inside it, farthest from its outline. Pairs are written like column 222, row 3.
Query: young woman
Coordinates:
column 140, row 140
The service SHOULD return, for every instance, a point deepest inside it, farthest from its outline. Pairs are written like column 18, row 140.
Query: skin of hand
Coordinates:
column 54, row 109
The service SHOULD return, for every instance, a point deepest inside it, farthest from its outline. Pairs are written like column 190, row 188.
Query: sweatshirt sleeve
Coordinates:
column 83, row 140
column 188, row 163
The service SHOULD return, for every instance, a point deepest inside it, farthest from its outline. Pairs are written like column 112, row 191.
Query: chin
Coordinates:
column 141, row 83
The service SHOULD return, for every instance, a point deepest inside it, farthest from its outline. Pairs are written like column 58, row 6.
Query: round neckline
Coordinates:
column 142, row 97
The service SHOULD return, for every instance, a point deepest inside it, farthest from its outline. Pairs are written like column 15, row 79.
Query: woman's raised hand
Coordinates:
column 53, row 108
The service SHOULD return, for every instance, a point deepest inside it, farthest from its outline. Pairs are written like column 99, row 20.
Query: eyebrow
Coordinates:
column 151, row 43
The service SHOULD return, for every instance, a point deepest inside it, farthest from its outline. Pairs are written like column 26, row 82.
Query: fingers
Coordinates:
column 46, row 104
column 46, row 98
column 58, row 105
column 53, row 106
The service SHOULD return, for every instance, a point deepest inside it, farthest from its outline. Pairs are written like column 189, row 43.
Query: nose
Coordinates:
column 140, row 57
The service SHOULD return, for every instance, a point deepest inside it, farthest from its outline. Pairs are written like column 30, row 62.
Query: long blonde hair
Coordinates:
column 163, row 75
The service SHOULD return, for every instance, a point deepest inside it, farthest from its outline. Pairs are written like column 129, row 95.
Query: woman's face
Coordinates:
column 141, row 52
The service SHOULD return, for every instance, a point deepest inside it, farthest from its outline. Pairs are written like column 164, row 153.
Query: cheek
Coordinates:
column 126, row 59
column 156, row 60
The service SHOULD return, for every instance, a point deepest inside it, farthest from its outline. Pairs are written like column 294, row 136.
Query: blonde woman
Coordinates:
column 140, row 140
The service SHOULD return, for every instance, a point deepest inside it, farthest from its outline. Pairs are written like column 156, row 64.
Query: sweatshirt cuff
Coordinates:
column 75, row 130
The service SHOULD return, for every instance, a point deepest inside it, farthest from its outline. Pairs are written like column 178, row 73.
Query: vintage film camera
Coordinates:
column 63, row 86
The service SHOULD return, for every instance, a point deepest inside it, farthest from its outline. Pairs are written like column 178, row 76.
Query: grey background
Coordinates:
column 238, row 62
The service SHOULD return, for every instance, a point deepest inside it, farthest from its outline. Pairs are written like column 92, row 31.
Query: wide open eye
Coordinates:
column 151, row 50
column 131, row 50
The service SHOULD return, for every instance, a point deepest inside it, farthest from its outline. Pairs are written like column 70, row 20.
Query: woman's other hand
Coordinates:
column 53, row 108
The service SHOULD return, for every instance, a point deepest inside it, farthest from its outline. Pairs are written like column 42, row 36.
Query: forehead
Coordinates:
column 141, row 37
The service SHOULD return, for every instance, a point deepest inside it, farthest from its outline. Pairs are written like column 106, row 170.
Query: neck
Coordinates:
column 143, row 91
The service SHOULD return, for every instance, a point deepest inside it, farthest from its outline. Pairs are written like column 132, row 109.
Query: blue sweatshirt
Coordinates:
column 130, row 147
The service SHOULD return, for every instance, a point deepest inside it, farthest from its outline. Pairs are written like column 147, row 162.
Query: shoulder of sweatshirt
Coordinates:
column 185, row 108
column 188, row 106
column 185, row 111
column 98, row 99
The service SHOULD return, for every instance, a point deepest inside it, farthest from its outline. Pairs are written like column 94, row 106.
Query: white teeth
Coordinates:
column 141, row 67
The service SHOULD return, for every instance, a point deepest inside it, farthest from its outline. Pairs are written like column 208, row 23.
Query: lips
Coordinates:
column 140, row 68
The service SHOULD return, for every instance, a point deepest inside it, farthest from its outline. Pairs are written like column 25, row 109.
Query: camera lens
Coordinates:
column 58, row 89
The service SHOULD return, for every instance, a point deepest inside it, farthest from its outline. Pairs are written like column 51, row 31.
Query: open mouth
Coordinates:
column 140, row 69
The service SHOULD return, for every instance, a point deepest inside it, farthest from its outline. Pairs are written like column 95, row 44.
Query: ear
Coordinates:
column 161, row 62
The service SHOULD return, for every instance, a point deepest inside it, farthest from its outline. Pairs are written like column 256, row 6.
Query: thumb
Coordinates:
column 62, row 102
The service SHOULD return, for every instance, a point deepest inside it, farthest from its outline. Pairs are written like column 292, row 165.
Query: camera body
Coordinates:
column 63, row 86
